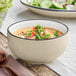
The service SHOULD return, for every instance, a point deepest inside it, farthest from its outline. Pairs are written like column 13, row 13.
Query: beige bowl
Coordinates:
column 38, row 51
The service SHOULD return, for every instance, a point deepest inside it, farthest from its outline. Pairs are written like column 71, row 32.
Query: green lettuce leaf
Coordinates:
column 5, row 5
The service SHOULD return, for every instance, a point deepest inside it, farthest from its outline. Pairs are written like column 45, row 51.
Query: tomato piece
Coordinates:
column 43, row 34
column 30, row 37
column 44, row 28
column 34, row 28
column 33, row 33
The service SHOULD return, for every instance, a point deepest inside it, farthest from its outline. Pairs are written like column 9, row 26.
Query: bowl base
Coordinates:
column 32, row 62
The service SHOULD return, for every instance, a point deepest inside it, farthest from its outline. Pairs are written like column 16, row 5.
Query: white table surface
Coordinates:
column 66, row 64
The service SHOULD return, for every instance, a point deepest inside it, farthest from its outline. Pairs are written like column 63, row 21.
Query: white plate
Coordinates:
column 50, row 12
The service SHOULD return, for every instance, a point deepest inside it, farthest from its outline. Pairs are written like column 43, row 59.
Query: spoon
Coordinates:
column 3, row 60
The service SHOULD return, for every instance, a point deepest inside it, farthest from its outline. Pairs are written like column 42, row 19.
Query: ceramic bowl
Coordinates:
column 38, row 51
column 50, row 12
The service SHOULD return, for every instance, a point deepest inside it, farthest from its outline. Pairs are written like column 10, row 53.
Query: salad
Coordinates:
column 55, row 4
column 5, row 5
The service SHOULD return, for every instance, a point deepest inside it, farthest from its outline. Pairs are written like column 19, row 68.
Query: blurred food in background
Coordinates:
column 55, row 4
column 4, row 6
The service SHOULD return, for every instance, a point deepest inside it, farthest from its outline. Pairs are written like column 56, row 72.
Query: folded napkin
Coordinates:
column 16, row 67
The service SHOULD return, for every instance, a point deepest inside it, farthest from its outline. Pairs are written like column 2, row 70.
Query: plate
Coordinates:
column 50, row 12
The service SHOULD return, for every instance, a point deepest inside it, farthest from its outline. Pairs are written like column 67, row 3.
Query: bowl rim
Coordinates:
column 35, row 20
column 56, row 10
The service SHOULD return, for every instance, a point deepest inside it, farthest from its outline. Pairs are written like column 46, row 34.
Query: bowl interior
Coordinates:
column 29, row 23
